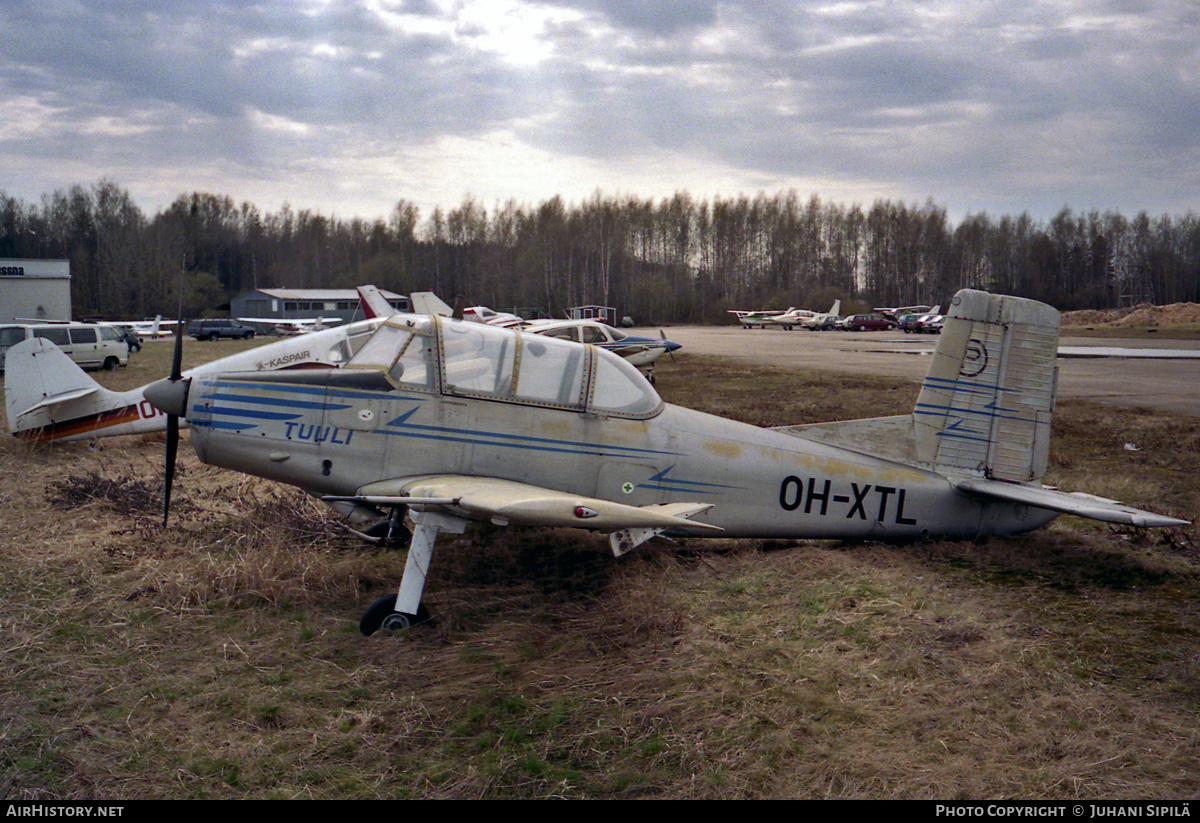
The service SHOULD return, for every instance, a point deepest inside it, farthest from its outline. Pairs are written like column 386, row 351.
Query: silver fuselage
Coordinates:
column 332, row 433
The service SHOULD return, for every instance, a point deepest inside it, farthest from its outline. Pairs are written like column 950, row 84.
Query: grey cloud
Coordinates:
column 955, row 98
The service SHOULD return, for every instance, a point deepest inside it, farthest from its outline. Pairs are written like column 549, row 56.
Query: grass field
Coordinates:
column 220, row 658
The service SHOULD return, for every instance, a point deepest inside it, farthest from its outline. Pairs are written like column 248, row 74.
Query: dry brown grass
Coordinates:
column 220, row 657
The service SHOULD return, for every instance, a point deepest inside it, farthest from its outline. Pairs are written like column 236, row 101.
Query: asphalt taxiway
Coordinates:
column 1157, row 374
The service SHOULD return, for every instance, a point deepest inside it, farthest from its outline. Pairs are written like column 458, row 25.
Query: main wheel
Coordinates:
column 383, row 614
column 393, row 533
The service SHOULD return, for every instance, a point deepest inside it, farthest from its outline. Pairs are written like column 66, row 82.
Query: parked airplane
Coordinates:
column 804, row 318
column 821, row 320
column 641, row 352
column 453, row 421
column 751, row 319
column 291, row 327
column 156, row 329
column 47, row 397
column 374, row 304
column 902, row 310
column 426, row 302
column 789, row 319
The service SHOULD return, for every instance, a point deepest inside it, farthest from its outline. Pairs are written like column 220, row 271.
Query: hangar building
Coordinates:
column 34, row 290
column 305, row 304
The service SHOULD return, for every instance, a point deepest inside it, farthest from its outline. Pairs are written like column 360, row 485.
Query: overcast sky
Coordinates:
column 346, row 106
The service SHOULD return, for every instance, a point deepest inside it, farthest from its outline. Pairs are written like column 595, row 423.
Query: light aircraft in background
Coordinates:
column 821, row 320
column 48, row 398
column 443, row 422
column 750, row 319
column 426, row 302
column 895, row 313
column 789, row 319
column 641, row 352
column 803, row 318
column 290, row 327
column 156, row 329
column 374, row 304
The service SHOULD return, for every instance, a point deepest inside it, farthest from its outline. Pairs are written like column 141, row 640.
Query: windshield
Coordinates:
column 464, row 358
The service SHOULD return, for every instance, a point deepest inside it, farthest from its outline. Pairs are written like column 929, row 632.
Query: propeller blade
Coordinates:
column 177, row 356
column 670, row 351
column 169, row 474
column 173, row 422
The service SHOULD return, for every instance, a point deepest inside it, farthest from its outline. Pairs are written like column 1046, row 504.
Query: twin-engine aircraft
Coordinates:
column 451, row 421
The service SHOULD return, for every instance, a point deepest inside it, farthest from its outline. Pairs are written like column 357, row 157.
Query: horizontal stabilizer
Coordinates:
column 889, row 438
column 1076, row 503
column 505, row 501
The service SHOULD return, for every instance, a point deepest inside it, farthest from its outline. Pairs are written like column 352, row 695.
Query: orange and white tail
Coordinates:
column 48, row 397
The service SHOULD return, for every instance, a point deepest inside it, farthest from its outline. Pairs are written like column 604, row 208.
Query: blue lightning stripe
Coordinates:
column 660, row 482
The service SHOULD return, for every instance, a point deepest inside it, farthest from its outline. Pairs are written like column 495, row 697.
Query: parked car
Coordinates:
column 215, row 329
column 909, row 323
column 932, row 324
column 869, row 322
column 90, row 345
column 131, row 337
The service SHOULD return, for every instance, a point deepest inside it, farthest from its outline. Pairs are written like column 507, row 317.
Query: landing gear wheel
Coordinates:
column 392, row 532
column 383, row 615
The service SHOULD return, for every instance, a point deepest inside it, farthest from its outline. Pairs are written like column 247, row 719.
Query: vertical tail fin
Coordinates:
column 986, row 403
column 426, row 302
column 48, row 397
column 373, row 303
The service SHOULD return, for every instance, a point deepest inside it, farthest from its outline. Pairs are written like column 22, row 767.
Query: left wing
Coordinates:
column 505, row 501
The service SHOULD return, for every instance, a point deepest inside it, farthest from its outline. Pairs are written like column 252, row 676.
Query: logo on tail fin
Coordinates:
column 975, row 359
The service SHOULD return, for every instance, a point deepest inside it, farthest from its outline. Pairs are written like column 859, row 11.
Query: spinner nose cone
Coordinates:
column 169, row 395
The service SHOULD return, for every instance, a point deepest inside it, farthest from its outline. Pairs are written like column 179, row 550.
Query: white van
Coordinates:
column 92, row 346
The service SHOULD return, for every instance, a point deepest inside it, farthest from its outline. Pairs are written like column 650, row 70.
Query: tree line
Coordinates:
column 677, row 259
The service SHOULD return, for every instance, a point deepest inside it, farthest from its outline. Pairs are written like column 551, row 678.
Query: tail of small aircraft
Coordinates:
column 426, row 302
column 986, row 402
column 48, row 397
column 373, row 303
column 982, row 418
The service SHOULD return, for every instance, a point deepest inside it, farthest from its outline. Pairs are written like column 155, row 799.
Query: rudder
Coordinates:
column 986, row 402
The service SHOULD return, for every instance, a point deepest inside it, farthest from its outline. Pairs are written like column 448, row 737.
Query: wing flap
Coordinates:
column 506, row 501
column 1076, row 503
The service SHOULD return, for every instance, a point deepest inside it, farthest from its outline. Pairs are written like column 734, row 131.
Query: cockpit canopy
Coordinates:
column 437, row 354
